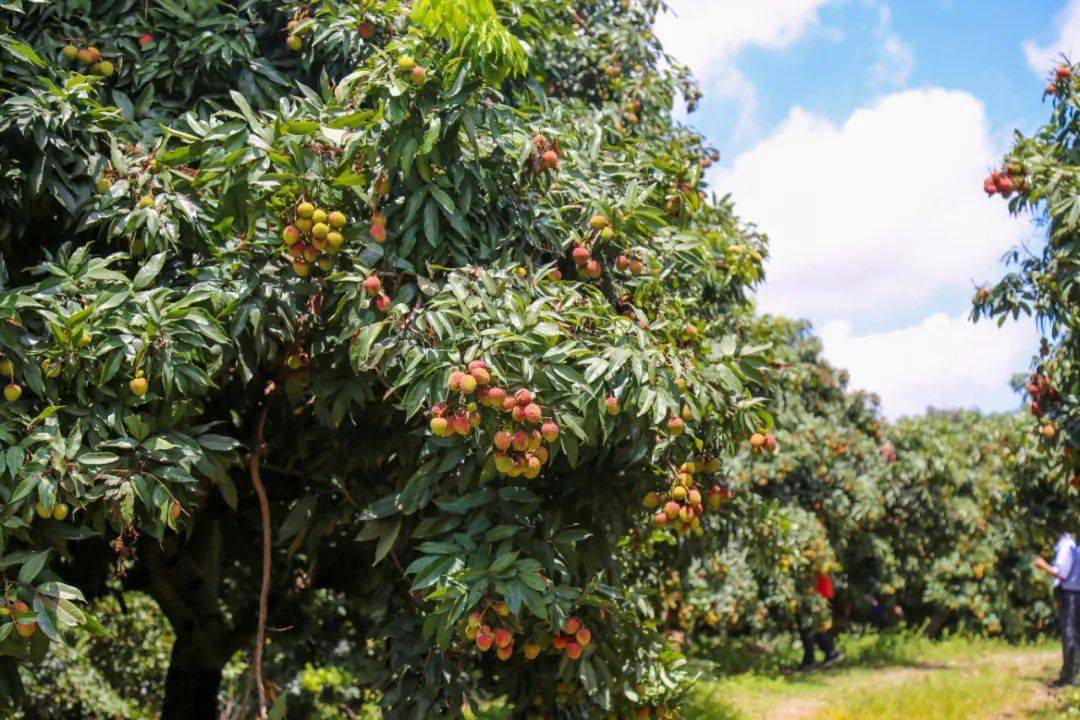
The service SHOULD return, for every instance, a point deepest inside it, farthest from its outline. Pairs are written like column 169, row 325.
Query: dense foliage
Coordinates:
column 444, row 281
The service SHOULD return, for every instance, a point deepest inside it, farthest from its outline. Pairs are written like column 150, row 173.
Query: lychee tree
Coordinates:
column 1040, row 176
column 408, row 304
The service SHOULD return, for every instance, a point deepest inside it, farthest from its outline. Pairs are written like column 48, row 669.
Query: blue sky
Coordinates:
column 856, row 133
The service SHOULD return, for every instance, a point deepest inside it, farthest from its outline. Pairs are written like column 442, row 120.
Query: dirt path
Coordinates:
column 1033, row 668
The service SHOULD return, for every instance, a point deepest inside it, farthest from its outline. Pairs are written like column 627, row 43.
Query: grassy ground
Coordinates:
column 900, row 678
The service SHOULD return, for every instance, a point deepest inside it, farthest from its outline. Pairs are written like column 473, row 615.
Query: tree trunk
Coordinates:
column 191, row 687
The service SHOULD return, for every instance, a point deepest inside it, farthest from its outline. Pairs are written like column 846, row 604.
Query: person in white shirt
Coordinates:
column 1066, row 573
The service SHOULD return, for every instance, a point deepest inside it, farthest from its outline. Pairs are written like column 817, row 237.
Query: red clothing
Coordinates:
column 824, row 586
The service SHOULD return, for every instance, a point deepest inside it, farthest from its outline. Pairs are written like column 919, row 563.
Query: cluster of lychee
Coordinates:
column 547, row 153
column 374, row 288
column 12, row 390
column 1005, row 182
column 1061, row 77
column 89, row 56
column 763, row 443
column 587, row 265
column 377, row 231
column 571, row 641
column 15, row 610
column 573, row 638
column 519, row 445
column 313, row 237
column 682, row 505
column 501, row 638
column 1044, row 396
column 416, row 74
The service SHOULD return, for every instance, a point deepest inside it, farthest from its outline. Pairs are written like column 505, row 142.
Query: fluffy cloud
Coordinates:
column 1042, row 57
column 706, row 35
column 942, row 361
column 871, row 218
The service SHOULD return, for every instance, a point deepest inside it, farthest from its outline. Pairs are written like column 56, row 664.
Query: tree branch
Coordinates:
column 264, row 513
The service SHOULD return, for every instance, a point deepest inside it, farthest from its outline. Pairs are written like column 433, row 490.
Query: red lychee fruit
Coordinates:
column 550, row 431
column 533, row 413
column 372, row 285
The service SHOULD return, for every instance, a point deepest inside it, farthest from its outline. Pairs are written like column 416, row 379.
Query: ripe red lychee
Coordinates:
column 372, row 285
column 382, row 303
column 989, row 187
column 502, row 440
column 611, row 405
column 533, row 413
column 622, row 262
column 549, row 160
column 461, row 424
column 550, row 431
column 660, row 519
column 496, row 397
column 520, row 440
column 676, row 425
column 504, row 653
column 291, row 234
column 580, row 255
column 484, row 639
column 523, row 397
column 503, row 637
column 671, row 509
column 583, row 636
column 483, row 377
column 468, row 384
column 573, row 650
column 592, row 269
column 453, row 383
column 1063, row 72
column 559, row 642
column 365, row 30
column 571, row 626
column 769, row 444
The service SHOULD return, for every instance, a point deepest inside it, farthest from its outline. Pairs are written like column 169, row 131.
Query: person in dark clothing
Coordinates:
column 819, row 638
column 1066, row 572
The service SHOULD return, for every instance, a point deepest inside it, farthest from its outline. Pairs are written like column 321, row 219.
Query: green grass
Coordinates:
column 889, row 677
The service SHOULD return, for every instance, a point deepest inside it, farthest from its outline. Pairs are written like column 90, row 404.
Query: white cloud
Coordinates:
column 942, row 361
column 1042, row 58
column 707, row 35
column 896, row 59
column 878, row 214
